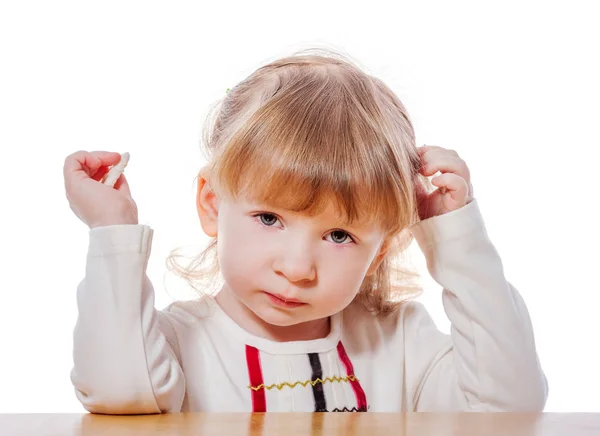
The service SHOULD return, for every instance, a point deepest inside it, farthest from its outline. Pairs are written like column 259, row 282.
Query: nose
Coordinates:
column 296, row 263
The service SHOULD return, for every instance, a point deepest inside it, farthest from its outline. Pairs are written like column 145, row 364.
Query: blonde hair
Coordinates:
column 308, row 129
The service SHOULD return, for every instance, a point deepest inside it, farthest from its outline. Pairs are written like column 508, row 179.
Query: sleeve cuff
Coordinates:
column 449, row 226
column 121, row 238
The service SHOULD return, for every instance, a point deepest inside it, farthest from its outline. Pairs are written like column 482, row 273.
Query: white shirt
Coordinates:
column 131, row 358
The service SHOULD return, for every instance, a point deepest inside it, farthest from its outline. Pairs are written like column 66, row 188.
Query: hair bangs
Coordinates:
column 302, row 151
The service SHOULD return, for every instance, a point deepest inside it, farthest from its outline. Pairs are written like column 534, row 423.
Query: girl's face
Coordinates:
column 285, row 273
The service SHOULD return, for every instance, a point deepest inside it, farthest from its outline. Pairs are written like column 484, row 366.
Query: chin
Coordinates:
column 278, row 318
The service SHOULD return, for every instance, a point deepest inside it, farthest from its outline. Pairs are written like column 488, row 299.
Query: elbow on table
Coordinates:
column 531, row 397
column 125, row 393
column 115, row 403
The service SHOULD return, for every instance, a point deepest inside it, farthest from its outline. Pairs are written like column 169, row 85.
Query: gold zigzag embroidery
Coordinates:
column 280, row 386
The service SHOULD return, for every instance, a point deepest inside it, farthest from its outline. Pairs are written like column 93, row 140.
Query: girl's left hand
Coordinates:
column 454, row 184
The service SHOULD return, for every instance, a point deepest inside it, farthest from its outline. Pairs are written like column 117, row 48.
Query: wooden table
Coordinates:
column 288, row 424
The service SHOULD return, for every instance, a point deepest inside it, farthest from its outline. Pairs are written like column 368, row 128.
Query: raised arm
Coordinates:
column 125, row 351
column 490, row 363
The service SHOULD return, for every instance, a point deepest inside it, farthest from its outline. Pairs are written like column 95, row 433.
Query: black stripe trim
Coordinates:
column 354, row 409
column 317, row 388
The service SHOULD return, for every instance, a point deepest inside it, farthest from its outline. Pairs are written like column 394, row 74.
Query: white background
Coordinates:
column 512, row 86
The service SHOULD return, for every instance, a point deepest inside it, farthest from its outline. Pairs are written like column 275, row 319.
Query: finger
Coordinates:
column 82, row 164
column 433, row 152
column 421, row 150
column 107, row 157
column 453, row 184
column 122, row 185
column 424, row 148
column 100, row 173
column 445, row 164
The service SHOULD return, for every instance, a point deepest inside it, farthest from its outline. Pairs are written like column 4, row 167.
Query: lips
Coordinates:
column 286, row 299
column 280, row 300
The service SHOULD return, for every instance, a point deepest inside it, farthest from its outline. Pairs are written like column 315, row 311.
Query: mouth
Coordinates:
column 282, row 301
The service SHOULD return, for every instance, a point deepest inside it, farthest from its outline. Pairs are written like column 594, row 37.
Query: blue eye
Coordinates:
column 340, row 237
column 267, row 219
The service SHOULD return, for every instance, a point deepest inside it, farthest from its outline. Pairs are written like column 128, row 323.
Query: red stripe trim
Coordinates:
column 259, row 403
column 361, row 399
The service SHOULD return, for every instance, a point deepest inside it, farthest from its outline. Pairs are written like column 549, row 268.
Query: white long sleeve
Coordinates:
column 492, row 364
column 123, row 348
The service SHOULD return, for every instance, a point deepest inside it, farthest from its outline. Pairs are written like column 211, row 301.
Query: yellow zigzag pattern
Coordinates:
column 280, row 386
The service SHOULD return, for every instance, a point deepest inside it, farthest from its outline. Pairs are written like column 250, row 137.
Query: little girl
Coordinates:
column 314, row 183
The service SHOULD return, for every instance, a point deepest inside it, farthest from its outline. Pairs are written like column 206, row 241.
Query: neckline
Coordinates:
column 272, row 347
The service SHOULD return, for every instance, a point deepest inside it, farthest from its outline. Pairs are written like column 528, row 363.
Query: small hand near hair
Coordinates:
column 454, row 184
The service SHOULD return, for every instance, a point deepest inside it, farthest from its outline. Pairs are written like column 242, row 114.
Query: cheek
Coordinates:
column 239, row 249
column 344, row 272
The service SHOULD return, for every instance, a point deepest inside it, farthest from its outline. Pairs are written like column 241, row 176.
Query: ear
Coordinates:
column 383, row 251
column 207, row 204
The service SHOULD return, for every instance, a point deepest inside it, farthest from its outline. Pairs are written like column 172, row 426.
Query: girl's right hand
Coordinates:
column 93, row 202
